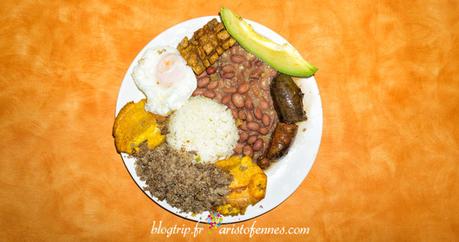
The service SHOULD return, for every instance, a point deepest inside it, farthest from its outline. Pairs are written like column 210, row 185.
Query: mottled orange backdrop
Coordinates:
column 387, row 169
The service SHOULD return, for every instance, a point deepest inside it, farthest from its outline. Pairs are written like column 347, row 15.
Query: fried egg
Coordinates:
column 165, row 79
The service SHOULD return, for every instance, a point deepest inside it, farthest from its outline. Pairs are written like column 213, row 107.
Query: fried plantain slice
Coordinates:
column 134, row 125
column 248, row 185
column 257, row 186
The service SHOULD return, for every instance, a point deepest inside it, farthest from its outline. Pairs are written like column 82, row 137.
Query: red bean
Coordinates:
column 251, row 139
column 234, row 112
column 226, row 99
column 203, row 74
column 266, row 120
column 263, row 131
column 242, row 115
column 243, row 136
column 209, row 94
column 247, row 64
column 228, row 75
column 229, row 89
column 237, row 100
column 237, row 58
column 253, row 126
column 249, row 117
column 213, row 85
column 247, row 150
column 238, row 148
column 243, row 88
column 264, row 104
column 253, row 133
column 227, row 68
column 248, row 103
column 202, row 82
column 198, row 92
column 211, row 70
column 258, row 114
column 258, row 145
column 255, row 74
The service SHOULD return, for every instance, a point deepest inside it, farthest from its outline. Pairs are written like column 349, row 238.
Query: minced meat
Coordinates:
column 172, row 175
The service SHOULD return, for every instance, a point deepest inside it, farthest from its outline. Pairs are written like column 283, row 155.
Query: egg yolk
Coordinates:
column 170, row 70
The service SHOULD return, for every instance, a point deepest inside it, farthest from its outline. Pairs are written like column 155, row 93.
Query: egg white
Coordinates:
column 165, row 79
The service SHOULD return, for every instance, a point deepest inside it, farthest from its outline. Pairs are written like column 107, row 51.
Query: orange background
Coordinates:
column 387, row 169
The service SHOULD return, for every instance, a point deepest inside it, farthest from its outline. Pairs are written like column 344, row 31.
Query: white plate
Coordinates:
column 284, row 176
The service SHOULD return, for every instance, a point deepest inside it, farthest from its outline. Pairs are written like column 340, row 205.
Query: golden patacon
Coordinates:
column 248, row 185
column 133, row 126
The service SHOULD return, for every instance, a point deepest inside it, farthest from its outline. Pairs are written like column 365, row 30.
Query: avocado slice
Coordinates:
column 284, row 58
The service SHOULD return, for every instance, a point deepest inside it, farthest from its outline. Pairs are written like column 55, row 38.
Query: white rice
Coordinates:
column 205, row 127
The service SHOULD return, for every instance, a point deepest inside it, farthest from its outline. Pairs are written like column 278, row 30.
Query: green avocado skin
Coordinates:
column 284, row 58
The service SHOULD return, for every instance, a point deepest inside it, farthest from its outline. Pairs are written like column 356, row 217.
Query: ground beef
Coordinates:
column 171, row 175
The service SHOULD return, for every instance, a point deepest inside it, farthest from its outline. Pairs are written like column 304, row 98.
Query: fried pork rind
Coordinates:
column 206, row 45
column 248, row 185
column 134, row 126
